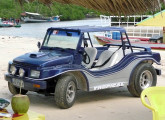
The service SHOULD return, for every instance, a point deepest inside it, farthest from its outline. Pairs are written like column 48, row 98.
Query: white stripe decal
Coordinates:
column 112, row 85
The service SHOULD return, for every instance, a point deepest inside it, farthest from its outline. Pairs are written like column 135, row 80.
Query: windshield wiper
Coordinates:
column 51, row 48
column 61, row 49
column 69, row 49
column 58, row 48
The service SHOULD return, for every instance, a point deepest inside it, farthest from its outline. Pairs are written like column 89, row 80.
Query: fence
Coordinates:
column 129, row 23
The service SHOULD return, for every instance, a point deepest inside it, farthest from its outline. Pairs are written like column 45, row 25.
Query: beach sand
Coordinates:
column 110, row 104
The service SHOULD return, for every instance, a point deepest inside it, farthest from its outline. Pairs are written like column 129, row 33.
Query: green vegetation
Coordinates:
column 12, row 9
column 9, row 8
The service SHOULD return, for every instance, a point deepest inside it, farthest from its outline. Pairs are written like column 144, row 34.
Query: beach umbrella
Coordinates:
column 156, row 20
column 113, row 7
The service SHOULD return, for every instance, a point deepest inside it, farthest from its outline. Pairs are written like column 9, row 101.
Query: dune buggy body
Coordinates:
column 70, row 59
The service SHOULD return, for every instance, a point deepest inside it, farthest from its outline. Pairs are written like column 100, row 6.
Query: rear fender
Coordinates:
column 156, row 56
column 151, row 61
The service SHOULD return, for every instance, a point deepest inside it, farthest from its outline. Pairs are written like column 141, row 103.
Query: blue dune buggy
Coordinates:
column 71, row 59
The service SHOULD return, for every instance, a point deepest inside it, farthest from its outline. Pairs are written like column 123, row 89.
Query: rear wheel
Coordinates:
column 144, row 76
column 14, row 90
column 65, row 92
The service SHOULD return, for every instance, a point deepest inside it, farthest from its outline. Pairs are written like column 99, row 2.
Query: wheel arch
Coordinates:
column 137, row 83
column 150, row 61
column 81, row 80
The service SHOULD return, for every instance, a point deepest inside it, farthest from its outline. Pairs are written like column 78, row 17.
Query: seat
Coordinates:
column 156, row 97
column 91, row 52
column 115, row 57
column 105, row 55
column 118, row 55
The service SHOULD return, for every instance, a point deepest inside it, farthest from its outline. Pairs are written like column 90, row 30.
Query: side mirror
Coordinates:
column 81, row 50
column 39, row 44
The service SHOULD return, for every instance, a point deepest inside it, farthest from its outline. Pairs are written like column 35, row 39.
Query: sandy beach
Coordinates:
column 110, row 104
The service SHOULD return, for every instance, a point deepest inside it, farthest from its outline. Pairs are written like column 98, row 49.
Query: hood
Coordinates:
column 44, row 59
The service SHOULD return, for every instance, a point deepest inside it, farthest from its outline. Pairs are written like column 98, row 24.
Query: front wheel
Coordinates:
column 65, row 92
column 14, row 90
column 144, row 76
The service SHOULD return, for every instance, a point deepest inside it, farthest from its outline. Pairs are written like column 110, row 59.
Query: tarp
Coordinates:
column 155, row 20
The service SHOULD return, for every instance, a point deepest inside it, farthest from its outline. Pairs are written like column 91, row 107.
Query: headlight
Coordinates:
column 35, row 74
column 21, row 72
column 13, row 69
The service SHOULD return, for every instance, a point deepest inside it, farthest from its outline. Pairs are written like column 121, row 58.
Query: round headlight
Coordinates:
column 21, row 72
column 13, row 69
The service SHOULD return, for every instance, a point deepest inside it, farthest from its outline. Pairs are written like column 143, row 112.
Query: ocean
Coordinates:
column 38, row 30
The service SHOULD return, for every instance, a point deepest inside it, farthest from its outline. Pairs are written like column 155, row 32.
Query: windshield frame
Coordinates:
column 48, row 34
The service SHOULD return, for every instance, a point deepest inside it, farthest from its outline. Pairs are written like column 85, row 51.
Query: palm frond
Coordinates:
column 114, row 7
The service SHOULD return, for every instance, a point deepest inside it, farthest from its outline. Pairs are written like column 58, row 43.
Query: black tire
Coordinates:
column 65, row 92
column 14, row 90
column 144, row 76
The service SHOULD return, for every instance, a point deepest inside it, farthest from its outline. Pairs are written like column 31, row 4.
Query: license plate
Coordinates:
column 18, row 82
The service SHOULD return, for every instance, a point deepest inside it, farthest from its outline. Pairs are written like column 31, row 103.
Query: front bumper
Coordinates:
column 158, row 71
column 28, row 83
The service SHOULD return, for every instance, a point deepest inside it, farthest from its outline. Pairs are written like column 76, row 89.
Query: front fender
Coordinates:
column 74, row 70
column 51, row 72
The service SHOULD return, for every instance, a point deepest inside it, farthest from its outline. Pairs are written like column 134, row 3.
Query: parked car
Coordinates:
column 71, row 59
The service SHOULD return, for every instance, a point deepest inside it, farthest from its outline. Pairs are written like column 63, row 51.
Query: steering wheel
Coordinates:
column 86, row 58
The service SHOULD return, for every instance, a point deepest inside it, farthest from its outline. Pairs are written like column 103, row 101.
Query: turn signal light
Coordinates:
column 36, row 86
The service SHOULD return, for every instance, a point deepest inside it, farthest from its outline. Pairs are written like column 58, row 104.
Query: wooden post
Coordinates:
column 163, row 34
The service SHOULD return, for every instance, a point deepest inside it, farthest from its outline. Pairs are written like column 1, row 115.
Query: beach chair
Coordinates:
column 156, row 98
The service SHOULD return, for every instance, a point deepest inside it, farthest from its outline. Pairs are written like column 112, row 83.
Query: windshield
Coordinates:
column 62, row 39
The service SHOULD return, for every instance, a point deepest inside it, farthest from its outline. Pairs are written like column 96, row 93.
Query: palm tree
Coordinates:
column 114, row 7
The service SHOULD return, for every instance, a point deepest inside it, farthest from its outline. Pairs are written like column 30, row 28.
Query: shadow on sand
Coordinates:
column 82, row 97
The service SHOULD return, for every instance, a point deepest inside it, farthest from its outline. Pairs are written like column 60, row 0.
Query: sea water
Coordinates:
column 38, row 30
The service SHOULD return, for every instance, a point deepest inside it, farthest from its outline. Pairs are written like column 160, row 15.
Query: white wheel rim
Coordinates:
column 146, row 79
column 71, row 91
